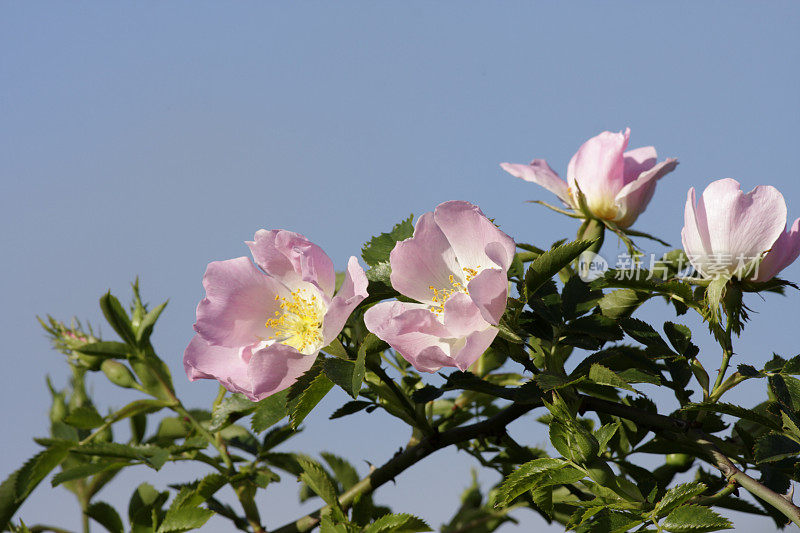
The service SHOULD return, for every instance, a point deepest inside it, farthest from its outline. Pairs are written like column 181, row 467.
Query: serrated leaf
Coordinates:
column 145, row 328
column 734, row 410
column 523, row 479
column 344, row 374
column 677, row 496
column 84, row 417
column 605, row 433
column 350, row 408
column 85, row 470
column 681, row 339
column 229, row 410
column 378, row 248
column 398, row 523
column 344, row 472
column 153, row 456
column 605, row 376
column 694, row 519
column 300, row 406
column 117, row 317
column 547, row 265
column 318, row 480
column 184, row 519
column 270, row 411
column 774, row 447
column 38, row 467
column 336, row 349
column 621, row 303
column 644, row 333
column 105, row 515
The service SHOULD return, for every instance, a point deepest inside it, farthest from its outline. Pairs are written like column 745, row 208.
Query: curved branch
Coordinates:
column 388, row 471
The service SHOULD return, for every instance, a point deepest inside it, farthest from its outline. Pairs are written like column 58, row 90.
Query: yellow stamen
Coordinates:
column 300, row 323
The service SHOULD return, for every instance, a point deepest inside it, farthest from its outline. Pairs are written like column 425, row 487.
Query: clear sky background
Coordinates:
column 150, row 138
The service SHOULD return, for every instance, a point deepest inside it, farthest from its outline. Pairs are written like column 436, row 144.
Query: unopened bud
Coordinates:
column 118, row 374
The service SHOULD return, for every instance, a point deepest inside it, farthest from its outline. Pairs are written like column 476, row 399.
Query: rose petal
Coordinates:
column 783, row 253
column 276, row 367
column 290, row 257
column 469, row 232
column 597, row 169
column 540, row 173
column 204, row 361
column 632, row 200
column 239, row 300
column 637, row 161
column 489, row 291
column 351, row 293
column 423, row 261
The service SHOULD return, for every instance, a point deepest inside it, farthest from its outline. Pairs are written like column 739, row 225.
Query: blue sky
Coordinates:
column 151, row 138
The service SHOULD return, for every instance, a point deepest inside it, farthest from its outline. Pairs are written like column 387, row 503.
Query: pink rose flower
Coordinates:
column 617, row 184
column 727, row 231
column 456, row 267
column 261, row 327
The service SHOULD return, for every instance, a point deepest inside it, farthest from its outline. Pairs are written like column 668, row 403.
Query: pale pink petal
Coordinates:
column 431, row 359
column 741, row 224
column 276, row 367
column 637, row 161
column 783, row 253
column 399, row 325
column 632, row 200
column 489, row 291
column 469, row 232
column 476, row 344
column 423, row 261
column 290, row 257
column 694, row 236
column 597, row 168
column 204, row 361
column 239, row 300
column 540, row 173
column 351, row 293
column 462, row 316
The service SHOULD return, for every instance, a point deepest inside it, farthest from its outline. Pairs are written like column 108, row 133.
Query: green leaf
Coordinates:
column 20, row 483
column 344, row 472
column 350, row 408
column 774, row 447
column 644, row 333
column 378, row 248
column 37, row 468
column 319, row 481
column 714, row 295
column 677, row 496
column 106, row 516
column 524, row 479
column 84, row 417
column 153, row 456
column 547, row 265
column 398, row 523
column 694, row 519
column 229, row 410
column 85, row 470
column 118, row 350
column 300, row 406
column 605, row 433
column 343, row 373
column 117, row 317
column 681, row 338
column 184, row 519
column 269, row 411
column 621, row 302
column 138, row 407
column 336, row 349
column 734, row 410
column 146, row 326
column 604, row 376
column 145, row 501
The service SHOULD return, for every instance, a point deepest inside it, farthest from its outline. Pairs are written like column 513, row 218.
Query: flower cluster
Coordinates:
column 263, row 322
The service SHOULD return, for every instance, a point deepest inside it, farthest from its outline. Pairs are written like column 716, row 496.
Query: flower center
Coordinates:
column 440, row 296
column 299, row 324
